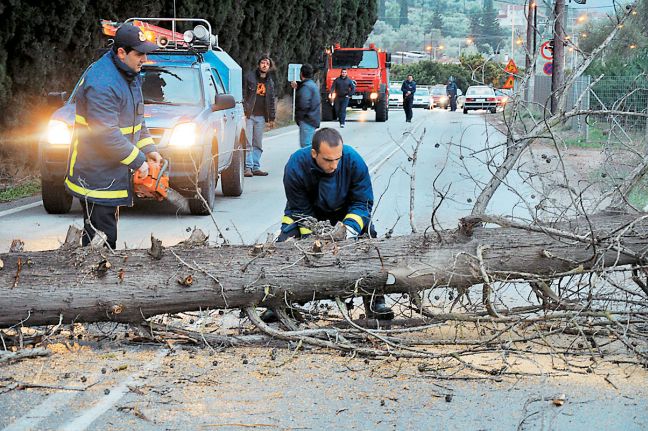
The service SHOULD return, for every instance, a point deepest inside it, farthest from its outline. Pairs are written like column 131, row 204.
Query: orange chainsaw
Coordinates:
column 155, row 185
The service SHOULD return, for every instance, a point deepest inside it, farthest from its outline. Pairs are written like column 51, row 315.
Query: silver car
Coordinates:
column 480, row 97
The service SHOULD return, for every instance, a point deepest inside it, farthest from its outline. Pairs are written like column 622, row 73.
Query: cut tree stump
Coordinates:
column 89, row 285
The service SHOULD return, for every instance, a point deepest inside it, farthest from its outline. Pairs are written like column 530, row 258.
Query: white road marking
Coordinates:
column 86, row 419
column 20, row 208
column 32, row 418
column 377, row 164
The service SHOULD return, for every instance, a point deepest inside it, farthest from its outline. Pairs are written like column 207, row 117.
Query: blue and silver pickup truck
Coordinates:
column 193, row 108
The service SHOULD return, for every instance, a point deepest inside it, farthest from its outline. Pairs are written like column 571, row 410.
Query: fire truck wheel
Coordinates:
column 56, row 200
column 382, row 111
column 207, row 187
column 232, row 177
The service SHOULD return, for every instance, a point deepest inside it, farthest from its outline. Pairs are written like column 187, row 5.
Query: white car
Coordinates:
column 480, row 97
column 421, row 97
column 395, row 97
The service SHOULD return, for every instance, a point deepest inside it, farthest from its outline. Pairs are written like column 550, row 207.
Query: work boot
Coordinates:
column 377, row 309
column 269, row 316
column 247, row 172
column 259, row 173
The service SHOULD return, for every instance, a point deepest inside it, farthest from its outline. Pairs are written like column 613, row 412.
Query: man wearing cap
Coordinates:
column 110, row 138
column 260, row 107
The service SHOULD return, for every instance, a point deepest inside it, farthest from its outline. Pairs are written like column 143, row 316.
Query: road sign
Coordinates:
column 511, row 67
column 545, row 52
column 293, row 72
column 548, row 68
column 510, row 82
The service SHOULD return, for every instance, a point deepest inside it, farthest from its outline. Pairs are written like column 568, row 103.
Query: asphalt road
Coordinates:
column 452, row 147
column 110, row 385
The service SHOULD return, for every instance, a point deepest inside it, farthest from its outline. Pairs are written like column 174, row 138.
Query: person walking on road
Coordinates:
column 307, row 105
column 451, row 92
column 110, row 136
column 408, row 88
column 260, row 108
column 341, row 91
column 330, row 181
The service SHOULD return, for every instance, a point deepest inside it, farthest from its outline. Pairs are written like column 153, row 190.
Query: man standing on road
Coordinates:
column 110, row 136
column 260, row 107
column 451, row 91
column 307, row 105
column 330, row 181
column 408, row 88
column 341, row 91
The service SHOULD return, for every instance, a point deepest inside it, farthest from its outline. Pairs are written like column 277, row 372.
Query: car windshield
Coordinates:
column 171, row 86
column 355, row 59
column 422, row 92
column 480, row 91
column 438, row 91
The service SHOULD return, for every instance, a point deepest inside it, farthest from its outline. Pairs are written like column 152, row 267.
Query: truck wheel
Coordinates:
column 382, row 111
column 327, row 111
column 232, row 177
column 208, row 191
column 56, row 199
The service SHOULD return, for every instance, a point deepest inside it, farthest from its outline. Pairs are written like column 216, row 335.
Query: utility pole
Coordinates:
column 559, row 37
column 529, row 63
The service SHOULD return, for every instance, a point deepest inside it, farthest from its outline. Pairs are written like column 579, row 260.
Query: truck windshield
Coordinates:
column 171, row 86
column 352, row 59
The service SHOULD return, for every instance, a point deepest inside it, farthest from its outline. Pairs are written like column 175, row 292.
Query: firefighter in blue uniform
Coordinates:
column 330, row 181
column 110, row 138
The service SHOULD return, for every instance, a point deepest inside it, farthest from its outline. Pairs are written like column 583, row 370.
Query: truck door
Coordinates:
column 216, row 119
column 229, row 124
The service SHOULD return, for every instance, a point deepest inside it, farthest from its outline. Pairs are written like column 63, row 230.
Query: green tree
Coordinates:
column 404, row 20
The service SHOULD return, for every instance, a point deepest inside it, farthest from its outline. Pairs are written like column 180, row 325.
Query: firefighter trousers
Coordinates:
column 99, row 218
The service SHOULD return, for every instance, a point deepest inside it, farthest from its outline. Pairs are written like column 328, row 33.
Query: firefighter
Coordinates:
column 110, row 138
column 330, row 181
column 451, row 92
column 342, row 89
column 408, row 88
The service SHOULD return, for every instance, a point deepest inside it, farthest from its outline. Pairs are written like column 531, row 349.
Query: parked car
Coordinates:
column 480, row 97
column 503, row 96
column 460, row 98
column 421, row 98
column 438, row 97
column 395, row 96
column 193, row 108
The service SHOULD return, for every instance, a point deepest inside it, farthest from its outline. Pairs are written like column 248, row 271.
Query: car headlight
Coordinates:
column 443, row 99
column 184, row 135
column 59, row 133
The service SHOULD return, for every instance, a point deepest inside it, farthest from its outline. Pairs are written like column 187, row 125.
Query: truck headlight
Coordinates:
column 59, row 133
column 184, row 135
column 373, row 96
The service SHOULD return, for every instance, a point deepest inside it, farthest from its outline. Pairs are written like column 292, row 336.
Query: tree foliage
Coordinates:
column 45, row 45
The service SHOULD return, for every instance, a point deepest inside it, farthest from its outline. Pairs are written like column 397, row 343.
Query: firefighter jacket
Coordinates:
column 345, row 195
column 110, row 138
column 250, row 88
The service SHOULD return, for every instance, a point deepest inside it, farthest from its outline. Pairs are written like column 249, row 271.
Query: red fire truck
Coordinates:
column 369, row 68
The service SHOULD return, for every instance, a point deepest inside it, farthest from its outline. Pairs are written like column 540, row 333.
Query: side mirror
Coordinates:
column 388, row 59
column 223, row 101
column 56, row 99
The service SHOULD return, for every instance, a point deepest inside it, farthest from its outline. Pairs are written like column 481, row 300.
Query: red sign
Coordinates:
column 510, row 82
column 548, row 68
column 545, row 52
column 511, row 67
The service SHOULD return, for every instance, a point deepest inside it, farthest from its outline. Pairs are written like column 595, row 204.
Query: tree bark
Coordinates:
column 87, row 285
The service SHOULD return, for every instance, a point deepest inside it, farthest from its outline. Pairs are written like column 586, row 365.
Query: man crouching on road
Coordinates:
column 110, row 137
column 330, row 181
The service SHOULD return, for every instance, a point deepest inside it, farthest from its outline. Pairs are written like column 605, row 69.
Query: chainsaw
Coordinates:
column 155, row 185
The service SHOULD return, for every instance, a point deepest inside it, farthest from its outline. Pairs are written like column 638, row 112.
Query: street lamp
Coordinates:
column 429, row 50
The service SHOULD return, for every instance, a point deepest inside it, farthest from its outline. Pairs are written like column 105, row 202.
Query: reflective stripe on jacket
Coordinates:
column 346, row 195
column 110, row 137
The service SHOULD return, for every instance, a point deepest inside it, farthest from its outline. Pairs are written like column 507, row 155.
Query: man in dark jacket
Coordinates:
column 451, row 91
column 408, row 88
column 307, row 106
column 330, row 182
column 260, row 107
column 110, row 137
column 341, row 91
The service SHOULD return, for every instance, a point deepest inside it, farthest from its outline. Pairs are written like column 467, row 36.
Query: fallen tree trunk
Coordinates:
column 87, row 285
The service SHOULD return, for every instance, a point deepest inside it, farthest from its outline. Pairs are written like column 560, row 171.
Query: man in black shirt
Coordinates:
column 260, row 106
column 342, row 89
